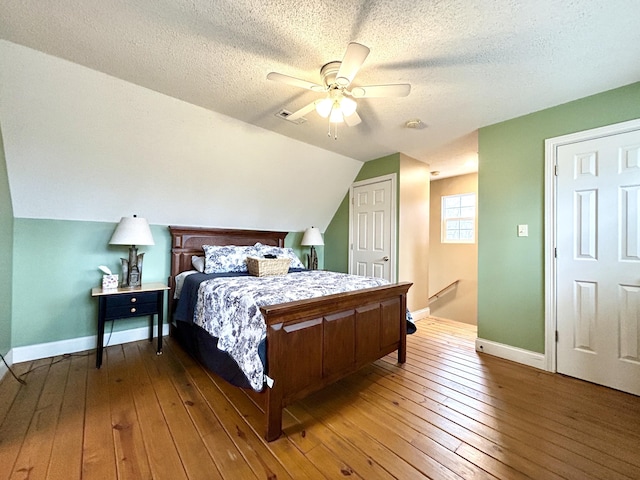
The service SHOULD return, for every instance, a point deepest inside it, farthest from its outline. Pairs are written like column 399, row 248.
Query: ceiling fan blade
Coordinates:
column 296, row 82
column 353, row 59
column 395, row 90
column 353, row 119
column 302, row 112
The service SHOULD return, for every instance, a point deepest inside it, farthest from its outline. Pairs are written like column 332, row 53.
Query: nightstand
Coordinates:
column 148, row 299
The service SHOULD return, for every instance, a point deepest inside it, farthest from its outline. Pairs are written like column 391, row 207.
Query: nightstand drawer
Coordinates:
column 131, row 305
column 131, row 311
column 131, row 299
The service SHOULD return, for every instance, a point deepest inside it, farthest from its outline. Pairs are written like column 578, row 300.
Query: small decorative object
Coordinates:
column 132, row 231
column 109, row 280
column 312, row 237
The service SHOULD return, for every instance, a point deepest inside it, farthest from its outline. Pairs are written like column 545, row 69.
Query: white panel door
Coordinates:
column 598, row 261
column 372, row 233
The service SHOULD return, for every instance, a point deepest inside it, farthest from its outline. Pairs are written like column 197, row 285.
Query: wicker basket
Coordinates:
column 263, row 267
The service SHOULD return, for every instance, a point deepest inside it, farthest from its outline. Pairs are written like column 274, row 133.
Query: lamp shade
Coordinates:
column 312, row 236
column 336, row 114
column 324, row 106
column 132, row 231
column 348, row 106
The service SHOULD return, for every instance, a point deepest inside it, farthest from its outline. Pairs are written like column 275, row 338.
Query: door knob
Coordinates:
column 385, row 258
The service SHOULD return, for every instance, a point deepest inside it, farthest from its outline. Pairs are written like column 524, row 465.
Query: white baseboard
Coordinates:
column 515, row 354
column 420, row 314
column 51, row 349
column 3, row 368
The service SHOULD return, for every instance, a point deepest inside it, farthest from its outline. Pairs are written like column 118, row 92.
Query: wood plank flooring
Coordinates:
column 448, row 413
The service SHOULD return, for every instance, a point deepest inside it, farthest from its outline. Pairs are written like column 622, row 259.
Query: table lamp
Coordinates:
column 312, row 237
column 132, row 231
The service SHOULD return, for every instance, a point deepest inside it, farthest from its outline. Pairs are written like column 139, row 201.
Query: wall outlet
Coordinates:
column 523, row 230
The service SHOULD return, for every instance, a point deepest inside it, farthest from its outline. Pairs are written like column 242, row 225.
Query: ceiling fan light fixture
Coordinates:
column 348, row 106
column 340, row 103
column 336, row 114
column 324, row 106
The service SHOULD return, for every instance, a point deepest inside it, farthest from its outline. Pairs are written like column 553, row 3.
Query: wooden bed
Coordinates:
column 310, row 343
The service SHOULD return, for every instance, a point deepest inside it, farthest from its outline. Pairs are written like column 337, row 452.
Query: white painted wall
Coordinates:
column 81, row 145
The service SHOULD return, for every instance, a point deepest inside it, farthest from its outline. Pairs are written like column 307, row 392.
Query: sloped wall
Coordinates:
column 82, row 149
column 81, row 145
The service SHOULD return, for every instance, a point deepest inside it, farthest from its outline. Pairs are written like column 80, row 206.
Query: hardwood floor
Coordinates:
column 447, row 413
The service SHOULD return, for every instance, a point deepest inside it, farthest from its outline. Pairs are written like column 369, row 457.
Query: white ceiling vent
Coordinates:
column 284, row 114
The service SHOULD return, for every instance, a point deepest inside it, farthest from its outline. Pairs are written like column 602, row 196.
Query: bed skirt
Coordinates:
column 204, row 348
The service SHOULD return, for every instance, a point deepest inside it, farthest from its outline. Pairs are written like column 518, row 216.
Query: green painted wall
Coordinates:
column 56, row 265
column 511, row 192
column 6, row 254
column 336, row 237
column 379, row 167
column 293, row 240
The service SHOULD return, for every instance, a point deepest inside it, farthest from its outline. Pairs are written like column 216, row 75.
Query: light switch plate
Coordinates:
column 523, row 230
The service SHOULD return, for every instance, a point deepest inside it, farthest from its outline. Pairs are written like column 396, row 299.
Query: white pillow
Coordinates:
column 198, row 263
column 180, row 282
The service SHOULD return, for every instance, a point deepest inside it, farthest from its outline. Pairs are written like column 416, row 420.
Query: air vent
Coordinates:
column 284, row 114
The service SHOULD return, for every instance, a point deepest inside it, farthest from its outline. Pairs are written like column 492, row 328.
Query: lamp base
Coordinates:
column 312, row 259
column 132, row 269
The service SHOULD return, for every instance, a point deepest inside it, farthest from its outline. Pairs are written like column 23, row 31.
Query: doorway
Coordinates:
column 372, row 228
column 453, row 265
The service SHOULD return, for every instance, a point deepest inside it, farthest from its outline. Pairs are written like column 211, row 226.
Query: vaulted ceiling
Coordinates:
column 470, row 63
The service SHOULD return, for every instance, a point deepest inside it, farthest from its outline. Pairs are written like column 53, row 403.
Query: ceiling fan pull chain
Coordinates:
column 335, row 131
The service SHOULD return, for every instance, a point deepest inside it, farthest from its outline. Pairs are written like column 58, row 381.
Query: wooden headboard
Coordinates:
column 188, row 241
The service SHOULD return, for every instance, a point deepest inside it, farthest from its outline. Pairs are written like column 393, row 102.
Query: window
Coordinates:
column 459, row 218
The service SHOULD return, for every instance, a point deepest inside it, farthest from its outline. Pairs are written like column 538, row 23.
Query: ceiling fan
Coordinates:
column 338, row 103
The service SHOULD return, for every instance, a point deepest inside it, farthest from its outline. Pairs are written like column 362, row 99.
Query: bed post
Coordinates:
column 274, row 394
column 273, row 412
column 402, row 348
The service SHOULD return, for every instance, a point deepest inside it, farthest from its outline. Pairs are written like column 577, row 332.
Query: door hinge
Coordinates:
column 555, row 252
column 555, row 170
column 556, row 336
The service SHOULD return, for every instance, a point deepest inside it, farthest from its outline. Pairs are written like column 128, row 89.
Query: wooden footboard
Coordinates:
column 312, row 343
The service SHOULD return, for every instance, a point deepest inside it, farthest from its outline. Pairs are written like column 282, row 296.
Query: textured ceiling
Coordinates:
column 470, row 63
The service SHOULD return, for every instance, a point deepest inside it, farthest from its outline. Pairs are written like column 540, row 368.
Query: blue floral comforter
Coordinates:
column 229, row 308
